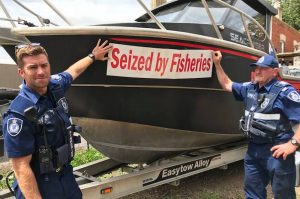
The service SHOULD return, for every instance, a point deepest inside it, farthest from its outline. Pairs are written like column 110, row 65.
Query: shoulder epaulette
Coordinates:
column 247, row 83
column 19, row 104
column 282, row 84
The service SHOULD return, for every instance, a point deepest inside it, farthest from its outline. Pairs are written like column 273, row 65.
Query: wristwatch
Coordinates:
column 295, row 142
column 92, row 56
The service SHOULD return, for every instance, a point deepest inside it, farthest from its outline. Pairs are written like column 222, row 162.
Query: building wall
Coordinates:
column 155, row 3
column 283, row 32
column 9, row 77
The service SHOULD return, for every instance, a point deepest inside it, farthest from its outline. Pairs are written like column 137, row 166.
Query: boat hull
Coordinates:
column 131, row 142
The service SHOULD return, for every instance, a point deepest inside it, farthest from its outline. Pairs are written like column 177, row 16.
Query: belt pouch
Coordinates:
column 63, row 155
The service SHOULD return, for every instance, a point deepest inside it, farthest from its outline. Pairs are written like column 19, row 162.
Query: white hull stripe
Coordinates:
column 263, row 116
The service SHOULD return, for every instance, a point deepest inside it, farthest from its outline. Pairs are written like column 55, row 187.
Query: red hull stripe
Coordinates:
column 176, row 43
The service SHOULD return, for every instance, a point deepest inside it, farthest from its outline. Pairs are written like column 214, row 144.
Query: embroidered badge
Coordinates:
column 63, row 102
column 14, row 126
column 56, row 77
column 265, row 103
column 294, row 96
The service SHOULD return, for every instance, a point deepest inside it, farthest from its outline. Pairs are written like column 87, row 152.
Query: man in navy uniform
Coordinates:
column 38, row 132
column 272, row 115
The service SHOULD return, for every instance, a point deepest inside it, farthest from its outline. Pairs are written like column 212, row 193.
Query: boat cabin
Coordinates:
column 215, row 19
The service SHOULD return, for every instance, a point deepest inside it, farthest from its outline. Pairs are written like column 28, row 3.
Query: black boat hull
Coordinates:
column 138, row 143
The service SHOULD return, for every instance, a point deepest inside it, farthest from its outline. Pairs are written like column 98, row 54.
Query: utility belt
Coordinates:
column 253, row 128
column 54, row 159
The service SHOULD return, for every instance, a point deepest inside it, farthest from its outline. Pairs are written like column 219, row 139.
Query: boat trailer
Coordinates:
column 141, row 177
column 107, row 178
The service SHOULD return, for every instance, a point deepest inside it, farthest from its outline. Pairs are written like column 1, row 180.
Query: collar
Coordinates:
column 267, row 87
column 34, row 96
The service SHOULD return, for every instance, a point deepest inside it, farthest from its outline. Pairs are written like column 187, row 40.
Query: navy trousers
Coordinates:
column 261, row 168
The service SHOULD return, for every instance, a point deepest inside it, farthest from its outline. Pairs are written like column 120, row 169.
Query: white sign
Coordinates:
column 158, row 63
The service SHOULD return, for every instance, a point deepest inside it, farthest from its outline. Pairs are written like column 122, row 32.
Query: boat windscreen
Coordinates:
column 188, row 12
column 235, row 24
column 245, row 8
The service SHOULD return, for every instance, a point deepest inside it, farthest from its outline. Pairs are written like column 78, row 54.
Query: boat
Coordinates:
column 138, row 113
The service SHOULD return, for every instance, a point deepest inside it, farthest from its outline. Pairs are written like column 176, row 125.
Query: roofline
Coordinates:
column 268, row 6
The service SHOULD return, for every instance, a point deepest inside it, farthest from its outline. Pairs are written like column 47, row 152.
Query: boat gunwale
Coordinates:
column 133, row 31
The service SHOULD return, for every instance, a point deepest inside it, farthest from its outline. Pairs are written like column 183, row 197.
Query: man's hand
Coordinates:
column 224, row 80
column 283, row 150
column 102, row 50
column 217, row 57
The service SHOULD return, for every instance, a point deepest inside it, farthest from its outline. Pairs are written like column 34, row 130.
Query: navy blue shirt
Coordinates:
column 19, row 132
column 287, row 102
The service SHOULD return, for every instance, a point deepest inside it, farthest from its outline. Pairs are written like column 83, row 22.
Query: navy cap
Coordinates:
column 266, row 61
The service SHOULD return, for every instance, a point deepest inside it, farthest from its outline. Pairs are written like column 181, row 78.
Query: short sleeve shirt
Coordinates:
column 18, row 131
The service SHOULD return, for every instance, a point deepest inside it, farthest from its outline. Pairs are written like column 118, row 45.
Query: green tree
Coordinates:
column 291, row 13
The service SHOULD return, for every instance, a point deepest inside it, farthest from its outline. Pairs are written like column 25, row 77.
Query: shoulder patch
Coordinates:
column 56, row 77
column 14, row 126
column 294, row 96
column 63, row 102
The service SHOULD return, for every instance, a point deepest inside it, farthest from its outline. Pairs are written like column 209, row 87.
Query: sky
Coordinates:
column 78, row 12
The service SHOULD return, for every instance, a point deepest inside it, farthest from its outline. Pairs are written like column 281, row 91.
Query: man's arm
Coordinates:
column 80, row 66
column 224, row 80
column 287, row 148
column 25, row 177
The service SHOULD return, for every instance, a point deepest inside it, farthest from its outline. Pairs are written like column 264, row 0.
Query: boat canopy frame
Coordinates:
column 216, row 27
column 243, row 16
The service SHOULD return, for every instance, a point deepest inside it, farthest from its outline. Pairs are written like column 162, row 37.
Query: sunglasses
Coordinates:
column 20, row 46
